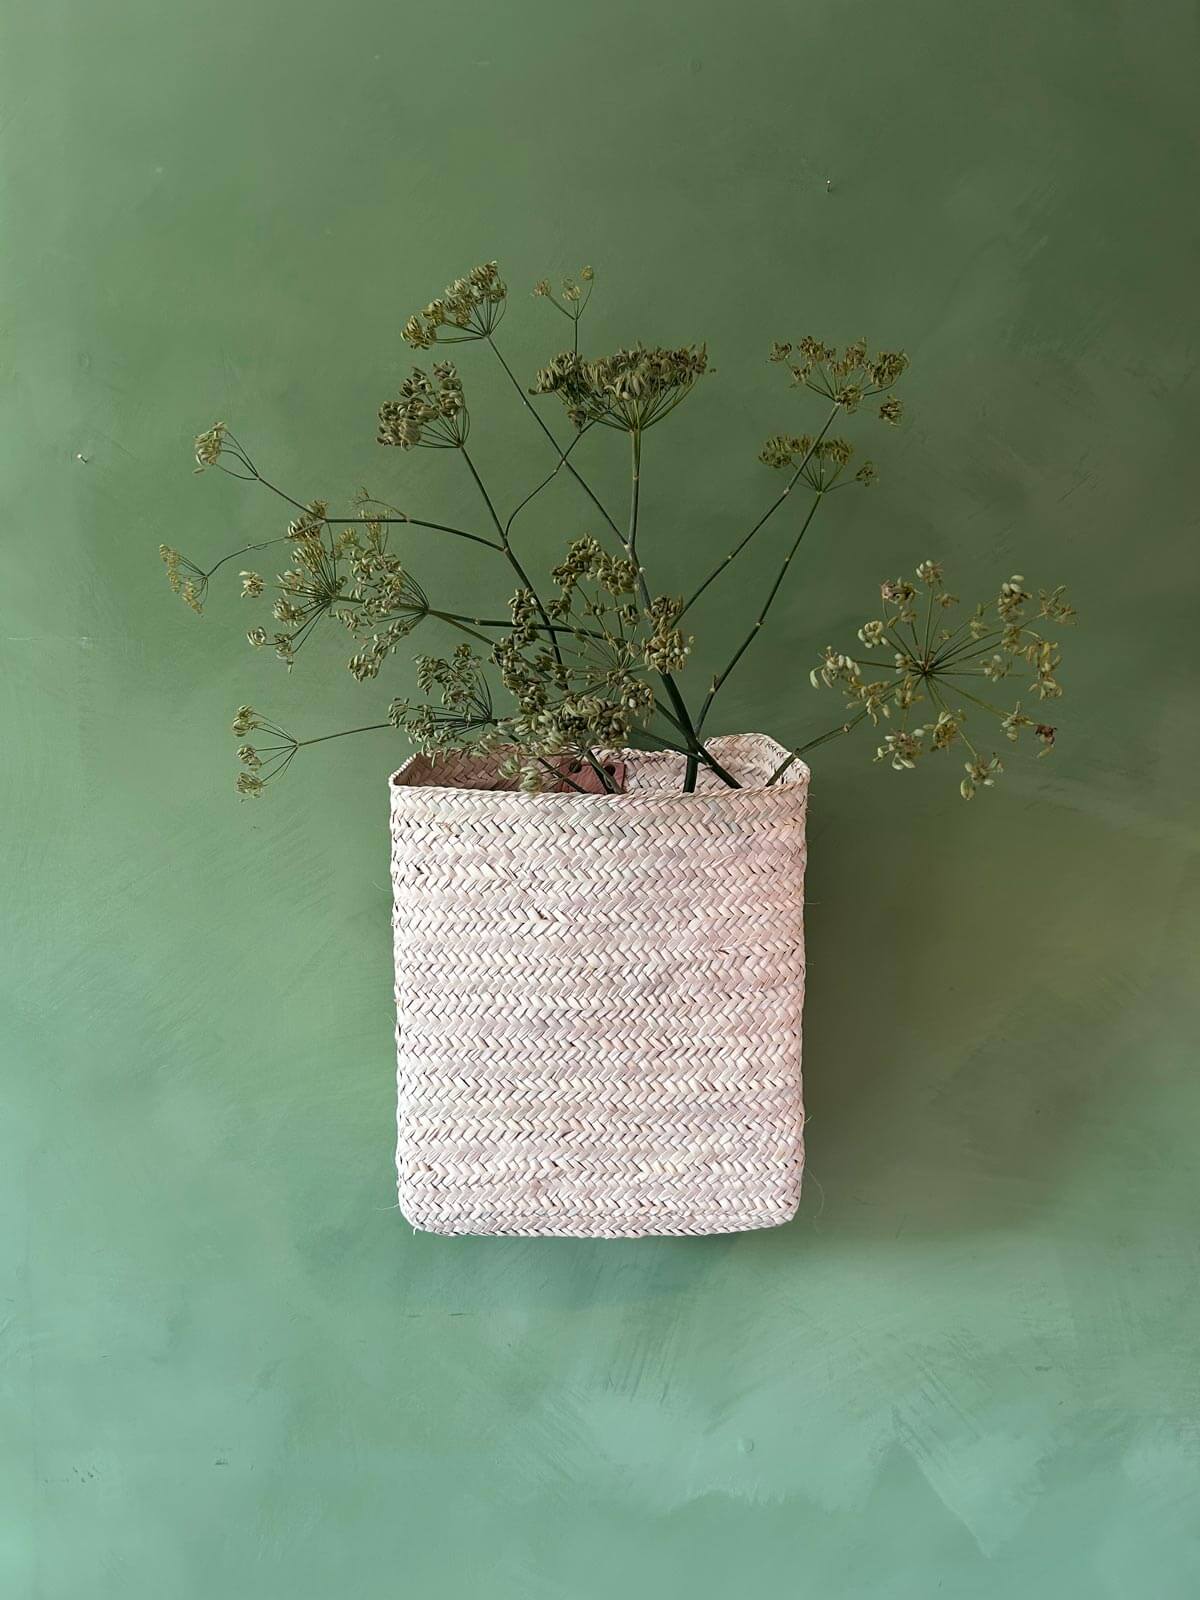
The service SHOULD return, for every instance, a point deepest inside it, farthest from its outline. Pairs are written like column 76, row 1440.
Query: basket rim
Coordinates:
column 800, row 781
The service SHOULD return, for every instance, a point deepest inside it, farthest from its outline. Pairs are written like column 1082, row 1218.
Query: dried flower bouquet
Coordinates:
column 596, row 659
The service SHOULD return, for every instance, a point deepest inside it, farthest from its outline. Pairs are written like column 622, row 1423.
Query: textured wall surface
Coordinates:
column 229, row 1370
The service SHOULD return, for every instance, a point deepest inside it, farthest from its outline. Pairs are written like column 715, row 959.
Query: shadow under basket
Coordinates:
column 598, row 998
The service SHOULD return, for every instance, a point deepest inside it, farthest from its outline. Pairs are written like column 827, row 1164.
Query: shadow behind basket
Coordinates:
column 598, row 998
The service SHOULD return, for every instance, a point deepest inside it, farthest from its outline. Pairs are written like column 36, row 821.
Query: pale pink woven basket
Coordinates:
column 598, row 998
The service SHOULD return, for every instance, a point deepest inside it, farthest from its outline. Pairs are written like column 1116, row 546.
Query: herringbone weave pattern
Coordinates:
column 598, row 999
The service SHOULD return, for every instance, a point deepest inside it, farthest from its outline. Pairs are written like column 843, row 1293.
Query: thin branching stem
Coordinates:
column 254, row 476
column 721, row 677
column 679, row 705
column 513, row 559
column 546, row 481
column 813, row 744
column 557, row 772
column 764, row 519
column 562, row 455
column 370, row 727
column 462, row 624
column 265, row 544
column 970, row 650
column 696, row 750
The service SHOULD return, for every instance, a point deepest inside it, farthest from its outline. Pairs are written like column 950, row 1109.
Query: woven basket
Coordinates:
column 598, row 998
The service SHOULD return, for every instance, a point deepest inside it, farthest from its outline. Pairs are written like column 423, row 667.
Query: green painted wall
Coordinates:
column 230, row 1371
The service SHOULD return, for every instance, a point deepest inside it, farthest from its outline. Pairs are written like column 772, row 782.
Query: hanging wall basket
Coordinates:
column 598, row 998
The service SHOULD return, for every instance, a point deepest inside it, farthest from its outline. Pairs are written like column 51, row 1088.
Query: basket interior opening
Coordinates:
column 751, row 758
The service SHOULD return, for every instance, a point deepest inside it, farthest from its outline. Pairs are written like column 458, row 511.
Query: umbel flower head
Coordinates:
column 469, row 308
column 821, row 463
column 933, row 664
column 846, row 378
column 572, row 297
column 572, row 292
column 430, row 411
column 385, row 603
column 629, row 390
column 307, row 590
column 217, row 447
column 210, row 446
column 185, row 577
column 462, row 712
column 265, row 760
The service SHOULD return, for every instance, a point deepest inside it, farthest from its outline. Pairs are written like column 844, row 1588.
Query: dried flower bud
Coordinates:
column 184, row 577
column 981, row 774
column 901, row 748
column 470, row 308
column 209, row 446
column 430, row 411
column 629, row 390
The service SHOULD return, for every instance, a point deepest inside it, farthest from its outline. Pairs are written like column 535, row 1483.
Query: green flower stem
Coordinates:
column 556, row 630
column 635, row 491
column 513, row 559
column 997, row 711
column 710, row 761
column 562, row 455
column 969, row 650
column 925, row 655
column 264, row 544
column 679, row 749
column 559, row 773
column 370, row 727
column 696, row 751
column 601, row 772
column 938, row 700
column 462, row 624
column 667, row 744
column 824, row 738
column 255, row 476
column 669, row 716
column 546, row 481
column 476, row 622
column 954, row 642
column 416, row 522
column 467, row 624
column 630, row 543
column 301, row 744
column 719, row 680
column 766, row 516
column 631, row 537
column 527, row 583
column 673, row 694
